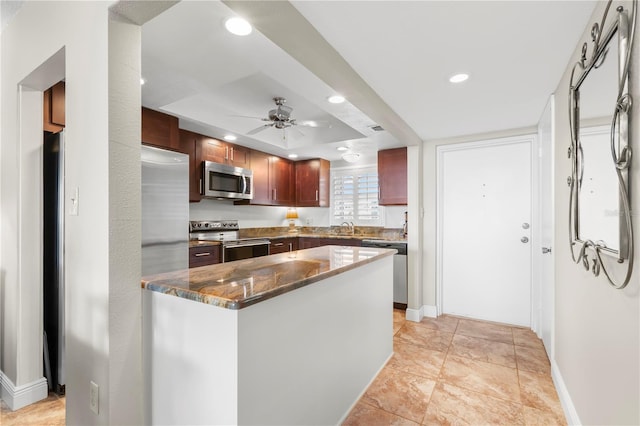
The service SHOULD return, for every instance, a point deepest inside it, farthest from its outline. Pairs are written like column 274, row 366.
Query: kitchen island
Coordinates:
column 292, row 338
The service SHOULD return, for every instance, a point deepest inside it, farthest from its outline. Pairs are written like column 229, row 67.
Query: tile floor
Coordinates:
column 459, row 371
column 444, row 371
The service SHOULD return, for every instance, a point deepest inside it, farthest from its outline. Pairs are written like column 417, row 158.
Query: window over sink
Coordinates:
column 354, row 196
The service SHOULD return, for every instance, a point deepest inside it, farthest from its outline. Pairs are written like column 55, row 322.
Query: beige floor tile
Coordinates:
column 533, row 359
column 483, row 377
column 485, row 330
column 398, row 320
column 533, row 416
column 400, row 393
column 451, row 405
column 415, row 359
column 366, row 415
column 442, row 323
column 483, row 350
column 50, row 411
column 537, row 391
column 526, row 337
column 425, row 337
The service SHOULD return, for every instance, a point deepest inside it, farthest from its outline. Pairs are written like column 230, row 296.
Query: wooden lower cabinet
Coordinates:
column 204, row 255
column 283, row 245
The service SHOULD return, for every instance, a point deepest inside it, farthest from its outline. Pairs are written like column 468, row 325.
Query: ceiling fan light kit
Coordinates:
column 350, row 157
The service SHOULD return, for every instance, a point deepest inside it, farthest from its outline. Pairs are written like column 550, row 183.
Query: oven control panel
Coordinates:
column 213, row 225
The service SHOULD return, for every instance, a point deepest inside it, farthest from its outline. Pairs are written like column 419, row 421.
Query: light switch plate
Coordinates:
column 75, row 200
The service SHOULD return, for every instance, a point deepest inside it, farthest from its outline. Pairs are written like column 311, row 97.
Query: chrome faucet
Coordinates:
column 350, row 226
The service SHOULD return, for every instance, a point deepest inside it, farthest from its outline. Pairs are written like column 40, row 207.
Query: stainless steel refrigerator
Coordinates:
column 53, row 260
column 165, row 210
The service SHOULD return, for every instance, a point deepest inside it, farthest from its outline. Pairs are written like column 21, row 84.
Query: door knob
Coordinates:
column 525, row 225
column 524, row 239
column 546, row 250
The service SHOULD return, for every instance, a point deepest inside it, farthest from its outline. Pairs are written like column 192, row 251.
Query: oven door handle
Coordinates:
column 247, row 244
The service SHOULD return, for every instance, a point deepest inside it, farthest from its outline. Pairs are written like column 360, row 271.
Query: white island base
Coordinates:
column 301, row 358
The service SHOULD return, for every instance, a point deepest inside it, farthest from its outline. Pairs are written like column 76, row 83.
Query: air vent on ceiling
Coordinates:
column 377, row 128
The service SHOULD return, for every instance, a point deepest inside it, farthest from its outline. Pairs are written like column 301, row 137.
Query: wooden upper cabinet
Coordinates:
column 160, row 129
column 392, row 177
column 273, row 181
column 312, row 183
column 53, row 112
column 282, row 181
column 260, row 165
column 240, row 156
column 189, row 145
column 214, row 150
column 218, row 151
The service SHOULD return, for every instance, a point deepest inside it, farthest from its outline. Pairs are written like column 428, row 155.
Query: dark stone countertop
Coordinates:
column 238, row 284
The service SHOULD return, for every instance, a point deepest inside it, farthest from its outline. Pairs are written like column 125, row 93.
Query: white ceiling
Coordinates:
column 515, row 52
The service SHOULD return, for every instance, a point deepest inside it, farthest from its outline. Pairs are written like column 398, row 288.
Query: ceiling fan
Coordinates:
column 280, row 118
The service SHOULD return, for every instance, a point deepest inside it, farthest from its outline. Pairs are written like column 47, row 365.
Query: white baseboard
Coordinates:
column 416, row 315
column 563, row 394
column 17, row 397
column 430, row 311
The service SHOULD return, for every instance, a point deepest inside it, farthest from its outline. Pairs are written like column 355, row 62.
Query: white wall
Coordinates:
column 597, row 340
column 100, row 59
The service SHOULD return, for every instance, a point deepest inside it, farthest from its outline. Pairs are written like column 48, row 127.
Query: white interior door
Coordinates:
column 547, row 286
column 484, row 229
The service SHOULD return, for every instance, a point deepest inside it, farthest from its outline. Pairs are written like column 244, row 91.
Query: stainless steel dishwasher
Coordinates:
column 399, row 269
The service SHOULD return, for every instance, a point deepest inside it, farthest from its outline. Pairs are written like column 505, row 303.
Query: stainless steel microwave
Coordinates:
column 224, row 181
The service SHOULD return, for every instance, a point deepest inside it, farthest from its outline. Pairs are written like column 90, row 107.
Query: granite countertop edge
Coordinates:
column 311, row 255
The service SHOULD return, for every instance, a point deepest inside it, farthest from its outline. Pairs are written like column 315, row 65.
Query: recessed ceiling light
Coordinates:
column 238, row 26
column 293, row 155
column 230, row 138
column 459, row 78
column 336, row 99
column 342, row 148
column 142, row 81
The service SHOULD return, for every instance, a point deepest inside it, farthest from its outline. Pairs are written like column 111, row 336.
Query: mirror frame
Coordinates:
column 585, row 251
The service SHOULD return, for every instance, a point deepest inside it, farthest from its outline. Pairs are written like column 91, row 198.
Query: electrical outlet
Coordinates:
column 94, row 398
column 309, row 221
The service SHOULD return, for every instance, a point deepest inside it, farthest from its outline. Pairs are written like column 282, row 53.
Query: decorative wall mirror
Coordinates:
column 601, row 231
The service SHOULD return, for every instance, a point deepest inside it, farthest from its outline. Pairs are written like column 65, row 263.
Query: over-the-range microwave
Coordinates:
column 224, row 181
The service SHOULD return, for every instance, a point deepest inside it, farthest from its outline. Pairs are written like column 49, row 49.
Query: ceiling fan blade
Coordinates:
column 259, row 129
column 314, row 123
column 249, row 116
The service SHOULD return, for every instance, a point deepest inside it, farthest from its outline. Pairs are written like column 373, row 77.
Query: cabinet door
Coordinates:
column 160, row 129
column 283, row 245
column 312, row 183
column 260, row 163
column 205, row 255
column 306, row 242
column 282, row 183
column 239, row 156
column 214, row 150
column 392, row 176
column 188, row 145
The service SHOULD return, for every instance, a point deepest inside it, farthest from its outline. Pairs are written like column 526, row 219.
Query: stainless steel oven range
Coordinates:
column 227, row 232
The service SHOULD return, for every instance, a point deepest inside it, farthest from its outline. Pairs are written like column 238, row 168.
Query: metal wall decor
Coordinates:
column 600, row 227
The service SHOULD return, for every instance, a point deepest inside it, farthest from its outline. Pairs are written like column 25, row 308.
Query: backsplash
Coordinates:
column 330, row 231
